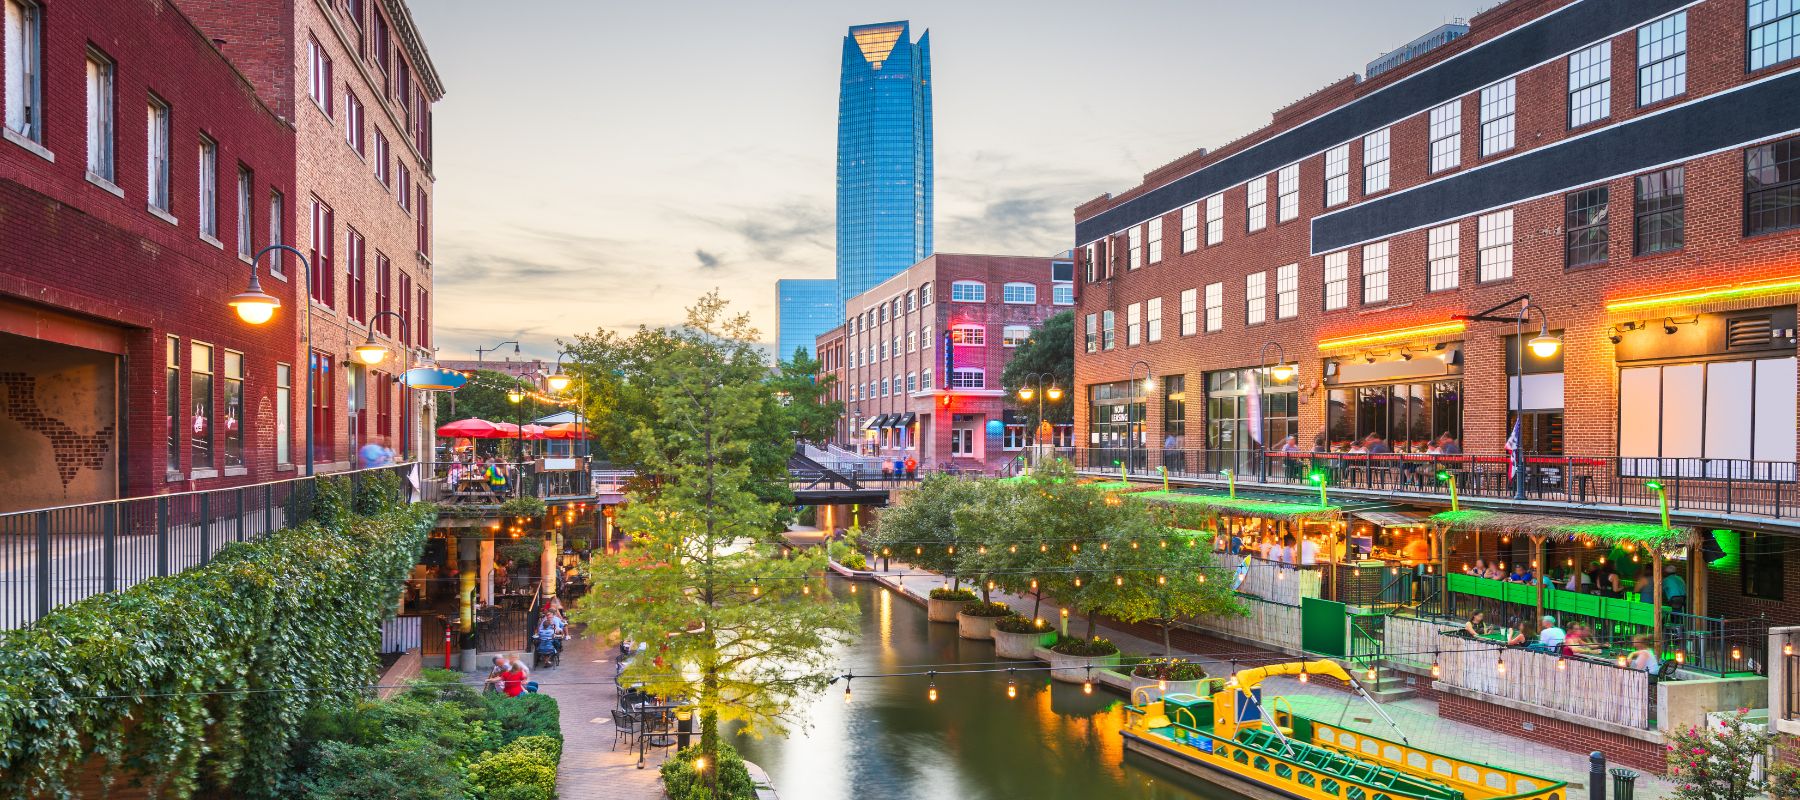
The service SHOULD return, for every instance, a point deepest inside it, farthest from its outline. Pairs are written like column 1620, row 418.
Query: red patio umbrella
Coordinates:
column 569, row 430
column 535, row 432
column 476, row 429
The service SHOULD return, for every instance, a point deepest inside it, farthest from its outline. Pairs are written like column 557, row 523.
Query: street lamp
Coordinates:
column 480, row 351
column 257, row 307
column 1149, row 383
column 1280, row 371
column 517, row 396
column 1542, row 345
column 1027, row 392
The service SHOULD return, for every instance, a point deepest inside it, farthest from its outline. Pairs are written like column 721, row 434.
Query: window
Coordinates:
column 1774, row 32
column 1019, row 293
column 1155, row 242
column 1287, row 291
column 1337, row 280
column 912, row 341
column 1215, row 307
column 424, row 322
column 1590, row 85
column 1659, row 215
column 1494, row 245
column 1153, row 319
column 881, row 314
column 1190, row 312
column 1375, row 162
column 1014, row 335
column 172, row 404
column 277, row 217
column 912, row 382
column 209, row 188
column 969, row 335
column 234, row 409
column 1106, row 330
column 384, row 295
column 200, row 398
column 1090, row 339
column 324, row 229
column 925, row 380
column 246, row 240
column 1441, row 250
column 1093, row 263
column 405, row 290
column 1135, row 236
column 156, row 161
column 885, row 388
column 1497, row 120
column 1584, row 223
column 1337, row 175
column 424, row 222
column 1707, row 419
column 319, row 75
column 382, row 169
column 284, row 412
column 1215, row 219
column 925, row 294
column 1410, row 416
column 356, row 276
column 1772, row 186
column 1256, row 289
column 1446, row 136
column 354, row 134
column 24, row 65
column 1175, row 405
column 1287, row 190
column 881, row 352
column 968, row 378
column 1256, row 204
column 1190, row 227
column 1761, row 574
column 1662, row 59
column 99, row 116
column 1134, row 329
column 968, row 292
column 1375, row 273
column 1063, row 294
column 1013, row 433
column 912, row 301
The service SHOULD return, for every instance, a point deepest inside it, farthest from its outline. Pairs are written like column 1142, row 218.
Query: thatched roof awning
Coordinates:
column 1239, row 507
column 1120, row 486
column 1560, row 528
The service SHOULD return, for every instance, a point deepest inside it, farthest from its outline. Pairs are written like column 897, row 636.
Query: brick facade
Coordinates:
column 95, row 277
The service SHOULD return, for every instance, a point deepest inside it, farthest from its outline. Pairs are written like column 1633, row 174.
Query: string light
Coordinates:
column 1303, row 677
column 1161, row 580
column 1736, row 653
column 990, row 586
column 1787, row 649
column 1087, row 682
column 1012, row 686
column 1437, row 670
column 1371, row 673
column 1562, row 664
column 1034, row 584
column 754, row 588
column 1500, row 665
column 1103, row 546
column 931, row 690
column 1012, row 548
column 853, row 588
column 1202, row 577
column 1119, row 580
column 1680, row 657
column 805, row 589
column 847, row 689
column 1078, row 583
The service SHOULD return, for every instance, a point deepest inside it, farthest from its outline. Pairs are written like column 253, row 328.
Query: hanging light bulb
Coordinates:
column 846, row 690
column 1736, row 653
column 1356, row 572
column 931, row 693
column 1303, row 677
column 982, row 550
column 853, row 588
column 918, row 551
column 1118, row 580
column 805, row 589
column 1437, row 670
column 1076, row 547
column 1102, row 545
column 990, row 586
column 1162, row 684
column 1043, row 548
column 1787, row 649
column 951, row 550
column 1562, row 664
column 1371, row 673
column 1680, row 657
column 1164, row 544
column 1622, row 661
column 1202, row 577
column 1500, row 665
column 1012, row 548
column 1162, row 580
column 1077, row 582
column 1134, row 544
column 1280, row 574
column 755, row 589
column 1012, row 686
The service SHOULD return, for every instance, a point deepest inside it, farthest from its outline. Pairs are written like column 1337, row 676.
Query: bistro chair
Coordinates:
column 625, row 726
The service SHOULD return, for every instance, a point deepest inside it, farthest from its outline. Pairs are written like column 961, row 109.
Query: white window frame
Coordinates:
column 1256, row 298
column 1256, row 204
column 1376, row 166
column 1190, row 227
column 1375, row 273
column 968, row 378
column 1287, row 291
column 1590, row 84
column 319, row 84
column 968, row 335
column 1153, row 319
column 1014, row 335
column 1287, row 191
column 277, row 218
column 1495, row 246
column 1446, row 136
column 968, row 292
column 1062, row 294
column 1108, row 323
column 1019, row 293
column 1499, row 108
column 24, row 66
column 1134, row 237
column 101, row 72
column 1190, row 312
column 1215, row 219
column 912, row 341
column 1134, row 325
column 1091, row 334
column 246, row 227
column 207, row 187
column 1662, row 58
column 924, row 294
column 1337, row 175
column 1215, row 307
column 156, row 155
column 1337, row 280
column 1442, row 256
column 1155, row 242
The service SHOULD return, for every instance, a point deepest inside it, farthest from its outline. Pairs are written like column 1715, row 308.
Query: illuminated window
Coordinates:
column 968, row 335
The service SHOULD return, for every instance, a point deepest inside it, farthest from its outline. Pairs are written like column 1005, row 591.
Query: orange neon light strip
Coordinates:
column 1421, row 331
column 1702, row 295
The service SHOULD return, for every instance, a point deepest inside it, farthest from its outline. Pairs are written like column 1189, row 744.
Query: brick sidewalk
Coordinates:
column 592, row 768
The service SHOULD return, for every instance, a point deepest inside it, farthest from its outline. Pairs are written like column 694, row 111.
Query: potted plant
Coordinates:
column 1166, row 676
column 1018, row 636
column 944, row 602
column 1073, row 660
column 976, row 620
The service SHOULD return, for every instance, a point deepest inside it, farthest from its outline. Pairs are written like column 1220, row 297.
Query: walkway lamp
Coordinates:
column 1447, row 477
column 255, row 306
column 1542, row 346
column 1318, row 477
column 1033, row 387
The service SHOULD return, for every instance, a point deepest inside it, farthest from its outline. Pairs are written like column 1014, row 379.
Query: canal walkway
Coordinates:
column 1416, row 716
column 592, row 767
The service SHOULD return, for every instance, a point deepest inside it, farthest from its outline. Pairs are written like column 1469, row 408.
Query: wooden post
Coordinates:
column 1443, row 544
column 1537, row 576
column 1697, row 582
column 1656, row 578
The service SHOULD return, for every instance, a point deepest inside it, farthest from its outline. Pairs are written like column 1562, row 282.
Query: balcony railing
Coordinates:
column 56, row 556
column 1715, row 485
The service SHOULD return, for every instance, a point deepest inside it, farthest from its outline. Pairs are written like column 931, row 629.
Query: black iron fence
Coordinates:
column 1732, row 486
column 56, row 556
column 494, row 482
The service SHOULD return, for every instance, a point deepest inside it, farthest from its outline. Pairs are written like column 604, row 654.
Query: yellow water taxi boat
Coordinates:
column 1267, row 750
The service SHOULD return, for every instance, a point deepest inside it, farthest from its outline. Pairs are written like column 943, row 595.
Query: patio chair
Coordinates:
column 625, row 727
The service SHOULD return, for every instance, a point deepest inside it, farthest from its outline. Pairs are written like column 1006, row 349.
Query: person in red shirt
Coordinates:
column 512, row 681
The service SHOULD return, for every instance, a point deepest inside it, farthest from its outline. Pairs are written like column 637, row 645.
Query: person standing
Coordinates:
column 1674, row 589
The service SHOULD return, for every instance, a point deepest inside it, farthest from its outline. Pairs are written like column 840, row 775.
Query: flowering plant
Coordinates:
column 1719, row 762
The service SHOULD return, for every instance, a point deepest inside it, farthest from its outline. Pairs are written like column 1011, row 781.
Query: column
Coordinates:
column 547, row 564
column 486, row 577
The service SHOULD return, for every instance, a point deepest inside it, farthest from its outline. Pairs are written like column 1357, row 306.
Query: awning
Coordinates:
column 906, row 419
column 1559, row 528
column 875, row 422
column 1391, row 519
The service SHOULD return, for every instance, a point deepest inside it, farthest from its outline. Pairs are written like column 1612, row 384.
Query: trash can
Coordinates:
column 1623, row 783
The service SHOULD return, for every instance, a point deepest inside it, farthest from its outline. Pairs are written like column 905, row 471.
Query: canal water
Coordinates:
column 891, row 743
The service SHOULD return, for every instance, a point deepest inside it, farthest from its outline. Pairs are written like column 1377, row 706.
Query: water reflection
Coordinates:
column 890, row 743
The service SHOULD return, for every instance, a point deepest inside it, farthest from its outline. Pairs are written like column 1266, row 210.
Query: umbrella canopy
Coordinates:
column 568, row 430
column 534, row 431
column 476, row 429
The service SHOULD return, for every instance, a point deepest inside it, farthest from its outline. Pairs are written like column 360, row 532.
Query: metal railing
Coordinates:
column 1732, row 486
column 475, row 483
column 56, row 556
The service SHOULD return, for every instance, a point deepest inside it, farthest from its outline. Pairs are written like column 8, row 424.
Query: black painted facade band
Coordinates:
column 1565, row 30
column 1708, row 125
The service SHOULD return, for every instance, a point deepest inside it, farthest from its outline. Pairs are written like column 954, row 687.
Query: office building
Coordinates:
column 808, row 307
column 884, row 178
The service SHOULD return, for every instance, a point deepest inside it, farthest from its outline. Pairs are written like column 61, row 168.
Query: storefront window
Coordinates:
column 1408, row 416
column 1763, row 562
column 1175, row 406
column 172, row 404
column 234, row 409
column 1114, row 419
column 200, row 367
column 1228, row 417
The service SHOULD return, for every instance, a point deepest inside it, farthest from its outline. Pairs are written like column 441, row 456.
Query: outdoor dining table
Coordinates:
column 474, row 489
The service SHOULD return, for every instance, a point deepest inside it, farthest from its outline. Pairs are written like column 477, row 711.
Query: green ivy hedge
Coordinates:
column 195, row 684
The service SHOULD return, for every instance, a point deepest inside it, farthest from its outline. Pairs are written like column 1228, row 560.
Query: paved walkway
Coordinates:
column 592, row 767
column 1417, row 717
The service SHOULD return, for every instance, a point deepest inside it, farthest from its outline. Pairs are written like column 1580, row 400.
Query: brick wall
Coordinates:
column 1620, row 750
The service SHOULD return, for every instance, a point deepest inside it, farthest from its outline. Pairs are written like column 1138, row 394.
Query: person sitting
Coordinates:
column 1580, row 641
column 1551, row 636
column 495, row 672
column 1496, row 571
column 1480, row 568
column 1613, row 587
column 1476, row 626
column 1513, row 633
column 1519, row 574
column 1642, row 657
column 1674, row 589
column 1285, row 552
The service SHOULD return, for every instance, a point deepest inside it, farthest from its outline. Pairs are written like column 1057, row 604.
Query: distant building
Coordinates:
column 1438, row 37
column 919, row 357
column 532, row 370
column 884, row 178
column 808, row 307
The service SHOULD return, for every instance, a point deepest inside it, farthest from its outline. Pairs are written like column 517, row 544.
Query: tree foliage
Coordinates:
column 730, row 625
column 801, row 391
column 923, row 530
column 481, row 397
column 1719, row 764
column 1051, row 350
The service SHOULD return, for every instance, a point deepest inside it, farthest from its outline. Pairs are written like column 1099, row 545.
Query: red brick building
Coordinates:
column 355, row 79
column 919, row 358
column 138, row 172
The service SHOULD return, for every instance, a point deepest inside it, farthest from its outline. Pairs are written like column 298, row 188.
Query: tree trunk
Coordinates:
column 1167, row 653
column 1090, row 625
column 1037, row 599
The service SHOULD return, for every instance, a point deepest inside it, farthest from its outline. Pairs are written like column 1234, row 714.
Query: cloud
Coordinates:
column 775, row 232
column 707, row 260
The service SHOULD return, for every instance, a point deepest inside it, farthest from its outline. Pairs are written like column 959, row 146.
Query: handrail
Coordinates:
column 197, row 492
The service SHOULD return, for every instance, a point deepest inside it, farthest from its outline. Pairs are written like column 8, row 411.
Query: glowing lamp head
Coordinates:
column 370, row 352
column 700, row 764
column 1316, row 478
column 1653, row 486
column 557, row 382
column 1443, row 475
column 515, row 396
column 1027, row 393
column 1544, row 345
column 1282, row 372
column 1053, row 393
column 254, row 305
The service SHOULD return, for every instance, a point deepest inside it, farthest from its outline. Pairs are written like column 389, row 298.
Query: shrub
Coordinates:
column 1019, row 624
column 1716, row 763
column 519, row 793
column 856, row 561
column 1086, row 648
column 954, row 595
column 1169, row 669
column 682, row 782
column 395, row 771
column 526, row 506
column 987, row 610
column 494, row 772
column 529, row 714
column 547, row 747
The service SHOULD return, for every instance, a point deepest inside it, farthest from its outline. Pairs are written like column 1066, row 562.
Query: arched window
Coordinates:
column 968, row 292
column 1019, row 293
column 881, row 313
column 969, row 334
column 911, row 302
column 924, row 294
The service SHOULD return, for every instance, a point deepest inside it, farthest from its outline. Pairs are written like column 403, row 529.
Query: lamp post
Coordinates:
column 1279, row 371
column 1542, row 345
column 1033, row 386
column 517, row 396
column 558, row 381
column 480, row 351
column 255, row 306
column 1449, row 478
column 1149, row 382
column 371, row 352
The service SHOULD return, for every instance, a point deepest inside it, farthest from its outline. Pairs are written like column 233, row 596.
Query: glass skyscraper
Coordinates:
column 884, row 172
column 807, row 309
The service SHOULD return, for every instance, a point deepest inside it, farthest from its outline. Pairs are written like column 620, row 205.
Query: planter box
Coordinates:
column 1022, row 645
column 1153, row 694
column 1074, row 669
column 975, row 627
column 944, row 610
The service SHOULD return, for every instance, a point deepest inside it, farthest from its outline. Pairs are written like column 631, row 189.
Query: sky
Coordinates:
column 602, row 164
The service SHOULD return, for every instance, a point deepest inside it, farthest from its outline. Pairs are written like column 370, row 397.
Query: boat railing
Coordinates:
column 1493, row 783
